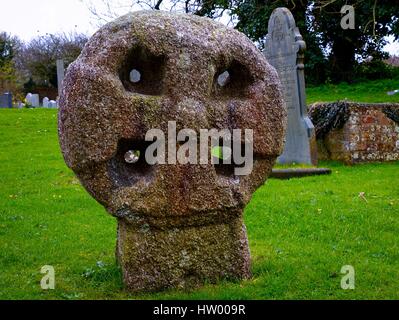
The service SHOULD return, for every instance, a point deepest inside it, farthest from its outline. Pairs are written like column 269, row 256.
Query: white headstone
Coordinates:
column 35, row 101
column 45, row 102
column 52, row 104
column 28, row 99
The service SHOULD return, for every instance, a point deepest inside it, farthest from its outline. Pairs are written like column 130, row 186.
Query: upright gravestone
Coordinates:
column 46, row 102
column 284, row 50
column 28, row 99
column 52, row 104
column 35, row 100
column 32, row 100
column 60, row 74
column 179, row 225
column 6, row 100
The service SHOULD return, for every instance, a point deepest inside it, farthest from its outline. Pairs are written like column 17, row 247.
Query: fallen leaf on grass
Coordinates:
column 362, row 196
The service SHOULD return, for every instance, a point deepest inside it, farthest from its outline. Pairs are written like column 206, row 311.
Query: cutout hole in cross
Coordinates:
column 232, row 80
column 135, row 76
column 223, row 79
column 142, row 72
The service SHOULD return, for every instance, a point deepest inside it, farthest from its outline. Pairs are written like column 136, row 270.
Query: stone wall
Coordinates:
column 365, row 132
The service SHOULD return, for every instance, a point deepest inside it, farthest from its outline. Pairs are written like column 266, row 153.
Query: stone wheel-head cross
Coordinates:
column 178, row 225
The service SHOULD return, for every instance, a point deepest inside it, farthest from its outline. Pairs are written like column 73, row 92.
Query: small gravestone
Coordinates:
column 6, row 100
column 60, row 74
column 179, row 225
column 33, row 100
column 52, row 104
column 284, row 50
column 46, row 102
column 28, row 99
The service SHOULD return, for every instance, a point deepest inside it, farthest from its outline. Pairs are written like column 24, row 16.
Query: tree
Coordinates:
column 249, row 16
column 9, row 47
column 332, row 52
column 37, row 59
column 375, row 19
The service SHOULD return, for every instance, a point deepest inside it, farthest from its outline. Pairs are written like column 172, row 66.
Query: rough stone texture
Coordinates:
column 368, row 135
column 208, row 252
column 284, row 50
column 178, row 225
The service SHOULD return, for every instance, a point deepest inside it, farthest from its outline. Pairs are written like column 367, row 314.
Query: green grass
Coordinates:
column 301, row 231
column 369, row 91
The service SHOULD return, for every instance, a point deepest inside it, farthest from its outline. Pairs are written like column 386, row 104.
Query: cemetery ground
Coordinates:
column 301, row 231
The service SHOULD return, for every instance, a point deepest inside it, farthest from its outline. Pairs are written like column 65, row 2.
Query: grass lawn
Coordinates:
column 301, row 231
column 370, row 91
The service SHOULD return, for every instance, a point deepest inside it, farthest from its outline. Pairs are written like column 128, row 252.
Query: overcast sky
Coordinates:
column 29, row 18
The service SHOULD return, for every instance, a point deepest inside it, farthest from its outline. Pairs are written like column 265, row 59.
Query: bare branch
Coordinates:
column 158, row 4
column 374, row 17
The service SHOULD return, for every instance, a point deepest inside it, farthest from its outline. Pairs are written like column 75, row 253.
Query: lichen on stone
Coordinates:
column 166, row 210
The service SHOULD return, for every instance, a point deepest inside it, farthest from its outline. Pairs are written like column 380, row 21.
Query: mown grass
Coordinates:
column 301, row 231
column 369, row 91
